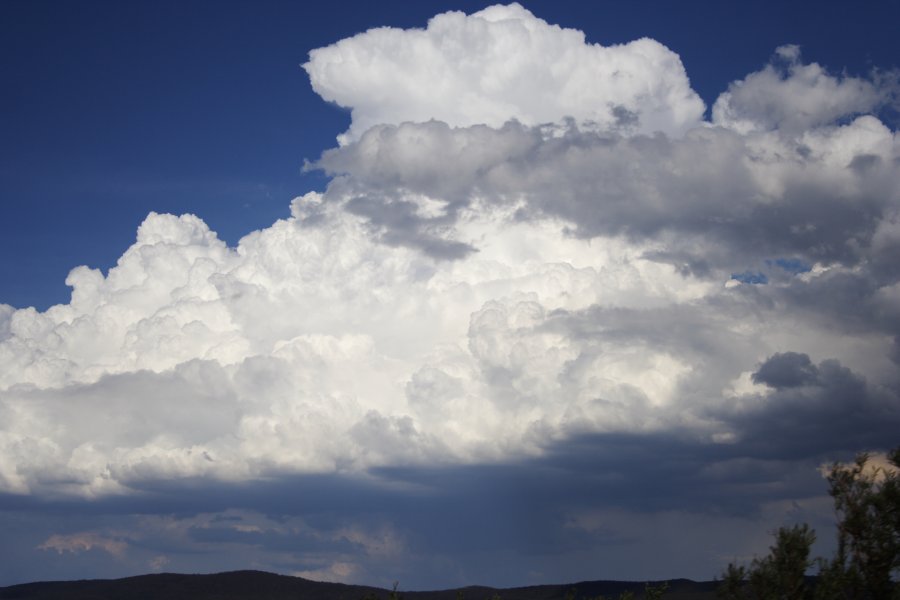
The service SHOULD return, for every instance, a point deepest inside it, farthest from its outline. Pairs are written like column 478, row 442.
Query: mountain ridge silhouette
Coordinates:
column 261, row 585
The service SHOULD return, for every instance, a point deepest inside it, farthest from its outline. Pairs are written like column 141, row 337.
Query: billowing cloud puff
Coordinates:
column 324, row 344
column 821, row 196
column 487, row 288
column 498, row 64
column 788, row 369
column 312, row 347
column 791, row 96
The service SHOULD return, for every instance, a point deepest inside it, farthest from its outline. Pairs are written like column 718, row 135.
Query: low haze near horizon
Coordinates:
column 440, row 294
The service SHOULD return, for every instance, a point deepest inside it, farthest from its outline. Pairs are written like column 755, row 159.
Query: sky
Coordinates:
column 440, row 293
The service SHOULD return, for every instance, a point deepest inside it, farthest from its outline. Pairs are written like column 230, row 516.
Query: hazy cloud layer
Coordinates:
column 587, row 311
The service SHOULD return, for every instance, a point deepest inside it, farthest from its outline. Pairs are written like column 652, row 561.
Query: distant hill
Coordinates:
column 258, row 585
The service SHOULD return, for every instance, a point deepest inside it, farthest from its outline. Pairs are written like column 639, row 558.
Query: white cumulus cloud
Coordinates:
column 472, row 289
column 502, row 63
column 792, row 96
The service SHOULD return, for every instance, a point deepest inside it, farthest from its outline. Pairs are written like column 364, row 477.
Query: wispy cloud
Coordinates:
column 83, row 542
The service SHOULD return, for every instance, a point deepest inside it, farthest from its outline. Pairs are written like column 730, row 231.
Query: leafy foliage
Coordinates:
column 867, row 503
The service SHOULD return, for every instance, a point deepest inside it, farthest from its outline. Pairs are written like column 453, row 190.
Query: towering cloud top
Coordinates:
column 498, row 64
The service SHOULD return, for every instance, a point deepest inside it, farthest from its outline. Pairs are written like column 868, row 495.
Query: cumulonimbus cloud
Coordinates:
column 471, row 288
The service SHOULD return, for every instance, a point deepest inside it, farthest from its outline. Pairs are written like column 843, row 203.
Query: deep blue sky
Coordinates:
column 110, row 110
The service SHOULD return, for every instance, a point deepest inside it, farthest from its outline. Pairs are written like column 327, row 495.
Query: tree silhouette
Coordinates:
column 867, row 501
column 867, row 504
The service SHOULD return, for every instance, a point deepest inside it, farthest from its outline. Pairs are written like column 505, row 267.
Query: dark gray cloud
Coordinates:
column 706, row 194
column 786, row 370
column 814, row 411
column 587, row 499
column 397, row 224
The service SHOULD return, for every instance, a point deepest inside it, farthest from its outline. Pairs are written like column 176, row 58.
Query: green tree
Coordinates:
column 867, row 504
column 781, row 575
column 655, row 592
column 731, row 587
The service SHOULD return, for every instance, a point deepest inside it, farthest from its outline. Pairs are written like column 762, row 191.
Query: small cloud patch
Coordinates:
column 787, row 369
column 77, row 543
